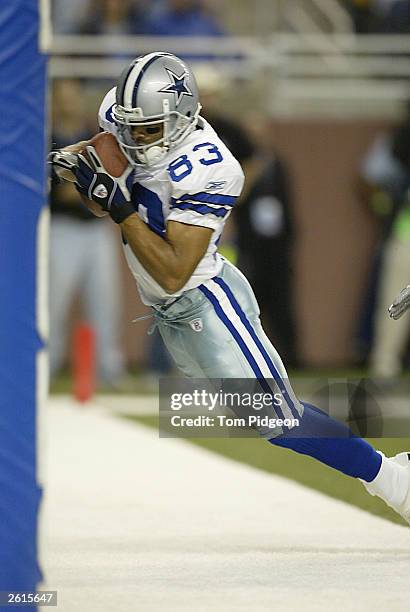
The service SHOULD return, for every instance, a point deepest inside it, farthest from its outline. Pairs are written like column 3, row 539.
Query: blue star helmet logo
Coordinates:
column 178, row 86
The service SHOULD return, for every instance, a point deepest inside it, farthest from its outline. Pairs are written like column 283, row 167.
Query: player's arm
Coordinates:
column 172, row 260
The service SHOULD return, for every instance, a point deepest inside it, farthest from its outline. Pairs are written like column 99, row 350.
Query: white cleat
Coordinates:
column 403, row 459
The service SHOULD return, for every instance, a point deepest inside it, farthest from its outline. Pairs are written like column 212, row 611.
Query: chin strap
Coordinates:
column 154, row 154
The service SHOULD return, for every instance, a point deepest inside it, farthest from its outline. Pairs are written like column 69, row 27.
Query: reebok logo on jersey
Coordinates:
column 215, row 185
column 100, row 191
column 196, row 325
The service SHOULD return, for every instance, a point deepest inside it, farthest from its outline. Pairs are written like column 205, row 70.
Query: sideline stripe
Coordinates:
column 274, row 372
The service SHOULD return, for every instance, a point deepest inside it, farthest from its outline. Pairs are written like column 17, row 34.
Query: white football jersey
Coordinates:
column 196, row 183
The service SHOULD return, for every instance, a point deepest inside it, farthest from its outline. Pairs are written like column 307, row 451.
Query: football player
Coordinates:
column 171, row 204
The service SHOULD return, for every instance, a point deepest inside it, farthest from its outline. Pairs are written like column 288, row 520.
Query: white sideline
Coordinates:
column 137, row 523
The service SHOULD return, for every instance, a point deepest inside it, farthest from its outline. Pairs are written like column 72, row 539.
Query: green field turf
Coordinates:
column 302, row 469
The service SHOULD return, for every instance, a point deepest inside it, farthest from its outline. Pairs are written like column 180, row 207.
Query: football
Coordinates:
column 111, row 156
column 113, row 160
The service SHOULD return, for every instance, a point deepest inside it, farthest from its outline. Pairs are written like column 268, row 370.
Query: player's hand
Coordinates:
column 400, row 304
column 112, row 194
column 63, row 164
column 64, row 161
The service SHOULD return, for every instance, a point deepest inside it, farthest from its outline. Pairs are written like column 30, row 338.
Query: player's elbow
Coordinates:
column 173, row 284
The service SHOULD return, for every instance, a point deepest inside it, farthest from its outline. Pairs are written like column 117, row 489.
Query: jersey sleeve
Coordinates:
column 105, row 118
column 204, row 194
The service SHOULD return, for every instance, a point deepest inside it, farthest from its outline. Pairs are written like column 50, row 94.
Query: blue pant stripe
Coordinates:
column 275, row 374
column 242, row 345
column 219, row 311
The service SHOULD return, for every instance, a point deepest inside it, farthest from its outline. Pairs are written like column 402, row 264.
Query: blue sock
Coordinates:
column 332, row 443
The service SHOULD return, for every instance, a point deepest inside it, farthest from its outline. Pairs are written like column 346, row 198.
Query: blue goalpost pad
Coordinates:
column 22, row 198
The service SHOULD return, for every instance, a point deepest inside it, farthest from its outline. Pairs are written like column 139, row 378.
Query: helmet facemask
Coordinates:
column 175, row 127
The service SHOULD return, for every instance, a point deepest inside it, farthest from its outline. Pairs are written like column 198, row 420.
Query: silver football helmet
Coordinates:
column 155, row 90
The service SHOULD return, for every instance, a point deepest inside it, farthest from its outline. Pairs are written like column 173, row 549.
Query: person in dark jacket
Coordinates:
column 265, row 228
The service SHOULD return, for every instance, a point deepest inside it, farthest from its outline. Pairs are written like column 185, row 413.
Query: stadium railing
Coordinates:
column 300, row 74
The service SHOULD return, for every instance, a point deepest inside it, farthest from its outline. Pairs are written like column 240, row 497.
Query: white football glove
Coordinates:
column 63, row 164
column 400, row 304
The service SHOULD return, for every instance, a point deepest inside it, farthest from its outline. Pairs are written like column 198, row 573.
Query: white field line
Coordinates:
column 138, row 523
column 129, row 404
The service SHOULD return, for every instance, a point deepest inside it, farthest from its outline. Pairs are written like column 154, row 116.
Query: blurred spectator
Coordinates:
column 212, row 88
column 397, row 18
column 182, row 18
column 386, row 173
column 264, row 221
column 112, row 17
column 362, row 13
column 83, row 252
column 380, row 16
column 69, row 15
column 377, row 181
